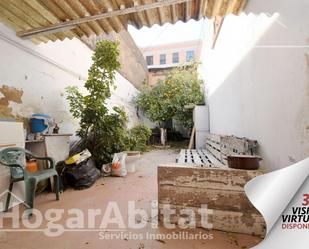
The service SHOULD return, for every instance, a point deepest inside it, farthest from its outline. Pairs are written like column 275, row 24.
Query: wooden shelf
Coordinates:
column 34, row 141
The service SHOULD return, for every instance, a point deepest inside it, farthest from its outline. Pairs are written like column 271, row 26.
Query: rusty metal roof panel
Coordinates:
column 38, row 15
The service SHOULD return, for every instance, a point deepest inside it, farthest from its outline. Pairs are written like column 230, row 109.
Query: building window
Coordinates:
column 176, row 57
column 190, row 56
column 162, row 59
column 149, row 60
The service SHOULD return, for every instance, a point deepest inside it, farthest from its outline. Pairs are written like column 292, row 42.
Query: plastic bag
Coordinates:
column 82, row 175
column 119, row 164
column 78, row 158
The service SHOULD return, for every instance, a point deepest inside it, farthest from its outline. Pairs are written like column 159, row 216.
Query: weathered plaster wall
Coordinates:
column 258, row 79
column 33, row 79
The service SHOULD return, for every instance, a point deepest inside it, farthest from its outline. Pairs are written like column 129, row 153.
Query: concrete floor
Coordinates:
column 140, row 187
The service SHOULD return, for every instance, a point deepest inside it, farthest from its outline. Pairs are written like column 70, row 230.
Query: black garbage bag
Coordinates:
column 78, row 176
column 61, row 169
column 82, row 175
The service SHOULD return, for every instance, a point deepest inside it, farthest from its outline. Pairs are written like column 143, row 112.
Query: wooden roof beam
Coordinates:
column 114, row 20
column 231, row 6
column 202, row 8
column 81, row 11
column 161, row 15
column 148, row 13
column 139, row 15
column 48, row 15
column 80, row 21
column 93, row 9
column 217, row 7
column 15, row 21
column 188, row 8
column 59, row 13
column 174, row 13
column 241, row 7
column 71, row 14
column 120, row 4
column 23, row 15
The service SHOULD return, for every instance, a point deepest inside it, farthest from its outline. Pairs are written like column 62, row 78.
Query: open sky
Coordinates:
column 168, row 33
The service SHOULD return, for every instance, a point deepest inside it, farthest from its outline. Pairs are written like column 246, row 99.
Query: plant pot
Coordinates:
column 132, row 158
column 246, row 162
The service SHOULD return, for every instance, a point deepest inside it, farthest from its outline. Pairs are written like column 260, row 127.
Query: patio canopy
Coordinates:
column 44, row 20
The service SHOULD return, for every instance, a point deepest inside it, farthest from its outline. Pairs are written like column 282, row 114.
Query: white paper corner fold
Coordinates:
column 272, row 192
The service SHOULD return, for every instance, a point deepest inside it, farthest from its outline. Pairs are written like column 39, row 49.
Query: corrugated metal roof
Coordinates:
column 29, row 15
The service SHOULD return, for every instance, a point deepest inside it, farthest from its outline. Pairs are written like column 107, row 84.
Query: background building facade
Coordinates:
column 162, row 58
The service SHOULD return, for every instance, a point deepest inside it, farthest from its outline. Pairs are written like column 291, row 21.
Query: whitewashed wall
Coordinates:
column 43, row 71
column 257, row 79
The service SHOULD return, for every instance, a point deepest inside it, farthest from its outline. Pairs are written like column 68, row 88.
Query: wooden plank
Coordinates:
column 107, row 7
column 232, row 5
column 213, row 149
column 139, row 16
column 240, row 7
column 7, row 145
column 120, row 4
column 81, row 11
column 71, row 14
column 221, row 188
column 218, row 22
column 61, row 15
column 214, row 161
column 82, row 21
column 161, row 16
column 213, row 137
column 205, row 177
column 231, row 145
column 48, row 15
column 188, row 9
column 174, row 13
column 150, row 14
column 15, row 20
column 214, row 198
column 223, row 220
column 28, row 15
column 196, row 157
column 93, row 9
column 217, row 7
column 189, row 156
column 192, row 138
column 202, row 8
column 202, row 157
column 181, row 156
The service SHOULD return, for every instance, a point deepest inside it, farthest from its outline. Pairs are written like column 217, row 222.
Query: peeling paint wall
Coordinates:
column 33, row 79
column 258, row 79
column 9, row 94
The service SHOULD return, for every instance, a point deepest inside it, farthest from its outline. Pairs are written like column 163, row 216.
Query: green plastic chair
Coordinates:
column 15, row 158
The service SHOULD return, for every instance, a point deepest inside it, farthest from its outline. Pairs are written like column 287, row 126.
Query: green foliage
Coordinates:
column 102, row 132
column 168, row 98
column 139, row 136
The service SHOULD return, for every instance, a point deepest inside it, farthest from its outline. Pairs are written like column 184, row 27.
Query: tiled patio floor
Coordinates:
column 140, row 187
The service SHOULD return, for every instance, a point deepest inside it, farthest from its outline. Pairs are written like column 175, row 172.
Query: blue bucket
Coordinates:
column 37, row 125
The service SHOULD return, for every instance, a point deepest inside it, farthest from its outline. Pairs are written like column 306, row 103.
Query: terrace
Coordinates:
column 253, row 59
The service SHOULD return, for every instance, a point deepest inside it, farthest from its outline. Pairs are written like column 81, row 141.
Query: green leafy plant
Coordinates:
column 169, row 98
column 102, row 132
column 139, row 136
